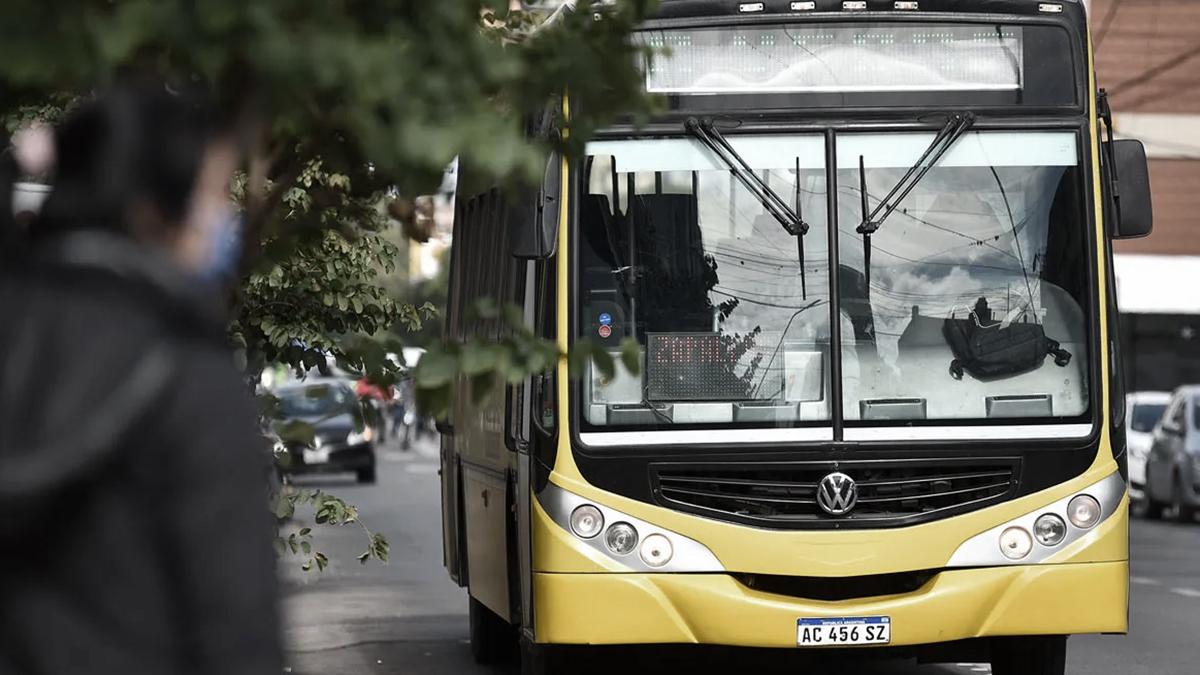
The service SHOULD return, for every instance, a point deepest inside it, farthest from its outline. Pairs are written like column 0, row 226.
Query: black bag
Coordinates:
column 989, row 350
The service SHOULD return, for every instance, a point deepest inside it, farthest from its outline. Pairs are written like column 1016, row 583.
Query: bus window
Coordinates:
column 730, row 309
column 993, row 239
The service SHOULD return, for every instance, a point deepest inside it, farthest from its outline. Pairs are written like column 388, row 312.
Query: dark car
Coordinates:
column 1173, row 466
column 342, row 441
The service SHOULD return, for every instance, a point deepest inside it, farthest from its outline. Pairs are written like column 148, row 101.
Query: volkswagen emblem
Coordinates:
column 837, row 494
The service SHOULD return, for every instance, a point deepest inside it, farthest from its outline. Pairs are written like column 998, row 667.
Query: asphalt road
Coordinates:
column 408, row 617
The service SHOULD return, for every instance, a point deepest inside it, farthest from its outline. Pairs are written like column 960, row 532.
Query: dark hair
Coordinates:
column 132, row 143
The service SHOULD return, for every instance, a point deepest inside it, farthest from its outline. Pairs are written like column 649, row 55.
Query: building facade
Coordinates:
column 1148, row 58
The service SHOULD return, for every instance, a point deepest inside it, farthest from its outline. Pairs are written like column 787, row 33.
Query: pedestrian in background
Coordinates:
column 136, row 537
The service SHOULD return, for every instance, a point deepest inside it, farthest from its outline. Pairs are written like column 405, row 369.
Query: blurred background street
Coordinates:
column 408, row 617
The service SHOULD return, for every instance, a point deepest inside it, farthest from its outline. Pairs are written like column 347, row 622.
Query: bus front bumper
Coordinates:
column 1056, row 599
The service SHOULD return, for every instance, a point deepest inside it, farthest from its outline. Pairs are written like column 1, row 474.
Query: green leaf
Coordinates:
column 477, row 359
column 436, row 369
column 631, row 356
column 295, row 431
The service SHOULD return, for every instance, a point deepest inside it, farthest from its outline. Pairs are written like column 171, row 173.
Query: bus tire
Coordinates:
column 491, row 636
column 1030, row 655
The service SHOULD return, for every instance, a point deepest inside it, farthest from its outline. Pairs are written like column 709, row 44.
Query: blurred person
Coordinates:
column 375, row 400
column 137, row 538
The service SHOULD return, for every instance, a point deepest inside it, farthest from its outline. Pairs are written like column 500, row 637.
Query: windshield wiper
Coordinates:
column 955, row 127
column 787, row 216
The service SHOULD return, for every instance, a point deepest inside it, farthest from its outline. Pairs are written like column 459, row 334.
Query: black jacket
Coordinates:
column 135, row 536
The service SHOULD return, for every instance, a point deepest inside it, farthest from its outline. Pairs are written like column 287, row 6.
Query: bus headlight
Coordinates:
column 587, row 521
column 629, row 544
column 1015, row 543
column 1049, row 529
column 1084, row 512
column 621, row 538
column 657, row 550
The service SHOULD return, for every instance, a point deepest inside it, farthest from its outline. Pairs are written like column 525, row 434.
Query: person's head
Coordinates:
column 146, row 163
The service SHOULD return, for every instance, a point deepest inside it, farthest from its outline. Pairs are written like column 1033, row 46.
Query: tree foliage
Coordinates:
column 346, row 110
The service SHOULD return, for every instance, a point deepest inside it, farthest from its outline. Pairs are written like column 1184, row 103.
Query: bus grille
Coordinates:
column 890, row 494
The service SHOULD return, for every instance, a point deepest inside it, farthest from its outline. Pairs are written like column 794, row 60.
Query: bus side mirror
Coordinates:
column 1131, row 190
column 533, row 221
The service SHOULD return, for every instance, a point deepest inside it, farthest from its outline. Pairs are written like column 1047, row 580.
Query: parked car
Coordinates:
column 1173, row 467
column 1143, row 409
column 343, row 441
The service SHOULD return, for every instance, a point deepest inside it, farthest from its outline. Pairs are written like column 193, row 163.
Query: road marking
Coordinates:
column 1186, row 592
column 975, row 667
column 1144, row 581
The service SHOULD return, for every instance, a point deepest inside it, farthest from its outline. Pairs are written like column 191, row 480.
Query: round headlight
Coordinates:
column 1015, row 543
column 586, row 521
column 1084, row 512
column 621, row 538
column 1049, row 529
column 656, row 550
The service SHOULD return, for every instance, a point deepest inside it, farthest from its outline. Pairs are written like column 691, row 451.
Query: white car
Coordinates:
column 1143, row 409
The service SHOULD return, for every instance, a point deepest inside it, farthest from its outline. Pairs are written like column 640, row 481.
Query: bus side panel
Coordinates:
column 451, row 514
column 485, row 503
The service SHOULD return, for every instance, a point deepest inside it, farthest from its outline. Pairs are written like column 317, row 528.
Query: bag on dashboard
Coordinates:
column 988, row 349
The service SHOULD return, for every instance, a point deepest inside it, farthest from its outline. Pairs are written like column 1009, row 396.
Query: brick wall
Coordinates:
column 1176, row 188
column 1148, row 57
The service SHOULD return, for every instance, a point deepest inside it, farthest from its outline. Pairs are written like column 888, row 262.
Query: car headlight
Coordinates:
column 356, row 437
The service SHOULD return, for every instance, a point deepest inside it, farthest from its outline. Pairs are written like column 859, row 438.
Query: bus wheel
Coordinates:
column 491, row 636
column 1030, row 656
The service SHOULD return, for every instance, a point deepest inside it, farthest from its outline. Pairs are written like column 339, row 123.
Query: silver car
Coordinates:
column 1143, row 409
column 1173, row 467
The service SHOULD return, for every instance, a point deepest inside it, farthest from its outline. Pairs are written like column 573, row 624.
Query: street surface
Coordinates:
column 408, row 617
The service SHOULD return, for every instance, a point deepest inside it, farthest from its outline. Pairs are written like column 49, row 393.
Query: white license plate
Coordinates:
column 862, row 630
column 316, row 455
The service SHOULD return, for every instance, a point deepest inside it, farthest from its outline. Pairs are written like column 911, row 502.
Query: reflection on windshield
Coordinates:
column 677, row 253
column 975, row 303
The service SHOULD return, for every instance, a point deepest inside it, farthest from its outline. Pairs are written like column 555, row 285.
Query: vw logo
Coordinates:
column 837, row 494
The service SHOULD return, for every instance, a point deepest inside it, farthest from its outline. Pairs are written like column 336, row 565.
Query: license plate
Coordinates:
column 862, row 630
column 316, row 455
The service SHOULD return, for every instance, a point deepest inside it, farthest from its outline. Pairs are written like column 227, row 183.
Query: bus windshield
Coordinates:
column 973, row 306
column 972, row 281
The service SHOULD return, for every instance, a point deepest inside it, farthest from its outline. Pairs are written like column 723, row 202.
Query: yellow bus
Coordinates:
column 865, row 253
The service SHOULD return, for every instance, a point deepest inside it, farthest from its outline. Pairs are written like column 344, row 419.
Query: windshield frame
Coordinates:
column 925, row 433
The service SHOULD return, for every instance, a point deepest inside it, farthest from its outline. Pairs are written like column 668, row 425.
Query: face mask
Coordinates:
column 224, row 247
